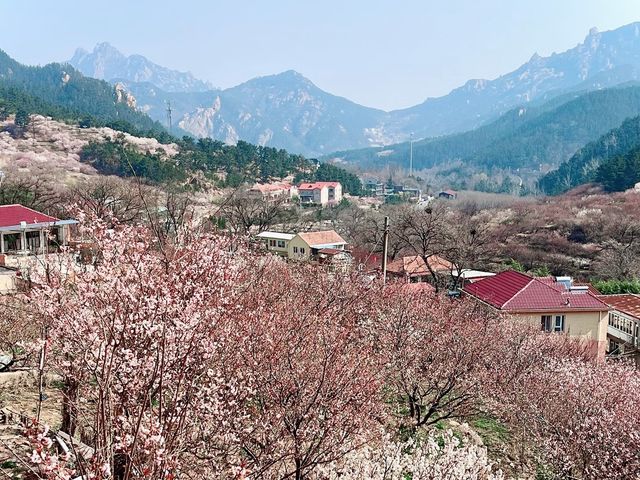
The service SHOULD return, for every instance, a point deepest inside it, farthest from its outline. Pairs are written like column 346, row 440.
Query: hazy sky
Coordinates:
column 385, row 54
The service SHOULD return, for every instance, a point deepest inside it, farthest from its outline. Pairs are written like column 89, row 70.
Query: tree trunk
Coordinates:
column 70, row 407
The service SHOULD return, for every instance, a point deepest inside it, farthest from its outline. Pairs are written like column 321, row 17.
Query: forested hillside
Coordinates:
column 60, row 92
column 583, row 166
column 620, row 172
column 63, row 93
column 524, row 138
column 228, row 165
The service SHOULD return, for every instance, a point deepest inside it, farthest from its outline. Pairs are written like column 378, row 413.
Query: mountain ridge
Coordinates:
column 322, row 122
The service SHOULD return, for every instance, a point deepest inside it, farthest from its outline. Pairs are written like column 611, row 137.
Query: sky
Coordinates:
column 379, row 53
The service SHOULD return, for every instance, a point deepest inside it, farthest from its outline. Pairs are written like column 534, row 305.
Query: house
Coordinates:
column 448, row 194
column 272, row 191
column 306, row 245
column 624, row 322
column 414, row 269
column 24, row 231
column 554, row 304
column 276, row 242
column 320, row 193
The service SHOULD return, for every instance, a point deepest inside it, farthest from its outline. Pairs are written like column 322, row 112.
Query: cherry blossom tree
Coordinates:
column 315, row 377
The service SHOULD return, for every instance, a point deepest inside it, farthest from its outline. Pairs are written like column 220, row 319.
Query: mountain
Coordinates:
column 289, row 111
column 603, row 59
column 583, row 167
column 528, row 139
column 61, row 91
column 106, row 62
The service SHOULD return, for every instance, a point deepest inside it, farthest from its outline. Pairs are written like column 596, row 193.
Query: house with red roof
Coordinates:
column 25, row 231
column 320, row 193
column 623, row 330
column 553, row 303
column 414, row 269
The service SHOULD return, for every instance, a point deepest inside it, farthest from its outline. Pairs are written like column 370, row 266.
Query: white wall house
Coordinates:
column 320, row 193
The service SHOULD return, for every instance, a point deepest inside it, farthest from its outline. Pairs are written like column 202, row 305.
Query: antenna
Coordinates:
column 169, row 114
column 411, row 154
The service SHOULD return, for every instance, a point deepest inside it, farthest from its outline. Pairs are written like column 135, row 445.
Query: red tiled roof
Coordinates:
column 328, row 237
column 625, row 302
column 317, row 185
column 11, row 215
column 515, row 292
column 414, row 265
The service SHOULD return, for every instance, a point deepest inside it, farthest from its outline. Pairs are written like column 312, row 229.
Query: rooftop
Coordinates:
column 14, row 215
column 317, row 185
column 276, row 235
column 628, row 303
column 516, row 292
column 414, row 265
column 322, row 239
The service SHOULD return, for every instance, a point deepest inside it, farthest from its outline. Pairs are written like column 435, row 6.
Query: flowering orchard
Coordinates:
column 195, row 357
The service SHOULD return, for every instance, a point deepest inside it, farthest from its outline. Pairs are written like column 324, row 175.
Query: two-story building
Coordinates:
column 320, row 193
column 624, row 323
column 554, row 304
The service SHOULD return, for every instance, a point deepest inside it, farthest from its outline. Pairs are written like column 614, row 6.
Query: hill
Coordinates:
column 528, row 140
column 288, row 111
column 583, row 166
column 66, row 93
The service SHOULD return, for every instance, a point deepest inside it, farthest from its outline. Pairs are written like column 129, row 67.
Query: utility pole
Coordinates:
column 169, row 114
column 411, row 154
column 385, row 248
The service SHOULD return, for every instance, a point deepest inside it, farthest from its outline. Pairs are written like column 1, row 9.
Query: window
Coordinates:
column 302, row 250
column 295, row 249
column 549, row 323
column 272, row 243
column 281, row 244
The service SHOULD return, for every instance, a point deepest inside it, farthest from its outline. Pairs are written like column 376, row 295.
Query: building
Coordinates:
column 306, row 245
column 373, row 187
column 24, row 231
column 624, row 323
column 554, row 304
column 407, row 192
column 326, row 246
column 414, row 269
column 320, row 193
column 273, row 191
column 277, row 242
column 448, row 194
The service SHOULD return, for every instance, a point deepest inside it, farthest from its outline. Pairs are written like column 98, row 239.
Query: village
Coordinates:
column 611, row 323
